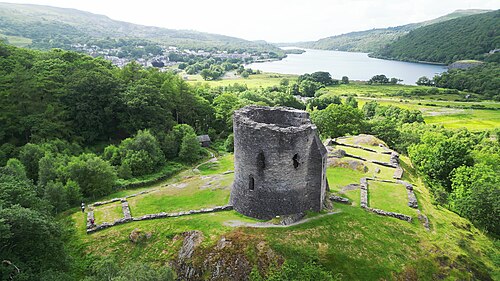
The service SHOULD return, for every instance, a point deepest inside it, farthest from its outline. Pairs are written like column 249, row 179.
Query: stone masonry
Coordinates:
column 280, row 163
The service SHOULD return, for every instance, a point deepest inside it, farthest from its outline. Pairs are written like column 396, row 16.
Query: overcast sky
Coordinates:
column 271, row 20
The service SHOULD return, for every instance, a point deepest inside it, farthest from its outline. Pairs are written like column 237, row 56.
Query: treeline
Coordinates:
column 460, row 168
column 482, row 79
column 468, row 37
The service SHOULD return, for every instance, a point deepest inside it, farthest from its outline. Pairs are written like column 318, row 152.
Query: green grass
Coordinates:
column 108, row 213
column 366, row 154
column 388, row 197
column 253, row 81
column 191, row 194
column 17, row 40
column 355, row 243
column 223, row 164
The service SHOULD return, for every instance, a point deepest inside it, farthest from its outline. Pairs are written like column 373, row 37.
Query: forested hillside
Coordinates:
column 373, row 40
column 470, row 37
column 51, row 27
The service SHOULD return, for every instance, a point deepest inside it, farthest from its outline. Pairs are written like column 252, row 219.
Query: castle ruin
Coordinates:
column 280, row 163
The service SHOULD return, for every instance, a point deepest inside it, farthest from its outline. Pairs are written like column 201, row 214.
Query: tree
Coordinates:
column 351, row 101
column 17, row 168
column 424, row 81
column 370, row 108
column 95, row 176
column 30, row 154
column 394, row 80
column 229, row 143
column 345, row 80
column 379, row 79
column 338, row 120
column 475, row 193
column 190, row 148
column 438, row 155
column 308, row 88
column 56, row 194
column 323, row 101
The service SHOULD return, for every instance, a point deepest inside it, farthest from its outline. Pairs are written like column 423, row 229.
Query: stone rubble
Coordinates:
column 339, row 199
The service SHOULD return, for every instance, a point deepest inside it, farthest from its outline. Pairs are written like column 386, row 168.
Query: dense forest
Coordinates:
column 368, row 41
column 77, row 128
column 470, row 37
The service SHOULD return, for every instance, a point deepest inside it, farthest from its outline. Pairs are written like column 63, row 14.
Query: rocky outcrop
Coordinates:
column 183, row 265
column 137, row 236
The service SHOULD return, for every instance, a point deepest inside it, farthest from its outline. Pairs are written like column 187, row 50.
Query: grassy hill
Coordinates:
column 45, row 25
column 351, row 243
column 458, row 39
column 372, row 40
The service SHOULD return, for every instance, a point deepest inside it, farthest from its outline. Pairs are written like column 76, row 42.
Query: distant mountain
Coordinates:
column 49, row 27
column 462, row 38
column 372, row 40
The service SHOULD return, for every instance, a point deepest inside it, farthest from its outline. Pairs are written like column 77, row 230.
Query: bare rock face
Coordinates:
column 280, row 162
column 191, row 240
column 184, row 264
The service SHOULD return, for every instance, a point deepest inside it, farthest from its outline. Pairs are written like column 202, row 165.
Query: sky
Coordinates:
column 271, row 20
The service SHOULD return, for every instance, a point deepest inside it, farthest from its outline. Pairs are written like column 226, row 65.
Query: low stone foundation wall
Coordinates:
column 157, row 216
column 390, row 214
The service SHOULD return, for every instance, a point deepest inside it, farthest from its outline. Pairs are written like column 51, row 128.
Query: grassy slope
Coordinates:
column 253, row 81
column 355, row 243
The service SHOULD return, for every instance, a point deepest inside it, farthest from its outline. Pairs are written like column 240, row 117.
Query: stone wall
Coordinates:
column 157, row 216
column 280, row 163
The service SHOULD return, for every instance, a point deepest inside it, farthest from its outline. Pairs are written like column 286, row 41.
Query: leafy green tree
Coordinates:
column 438, row 155
column 351, row 101
column 17, row 168
column 379, row 79
column 33, row 241
column 229, row 143
column 475, row 194
column 338, row 120
column 345, row 80
column 95, row 176
column 190, row 148
column 30, row 154
column 73, row 193
column 323, row 101
column 370, row 108
column 55, row 194
column 424, row 81
column 308, row 88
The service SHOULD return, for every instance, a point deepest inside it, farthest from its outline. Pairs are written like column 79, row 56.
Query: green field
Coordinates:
column 17, row 40
column 253, row 81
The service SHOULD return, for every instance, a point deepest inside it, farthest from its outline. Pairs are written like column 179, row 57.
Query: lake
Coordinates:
column 356, row 66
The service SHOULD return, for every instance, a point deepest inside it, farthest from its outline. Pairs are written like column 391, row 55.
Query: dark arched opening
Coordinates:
column 251, row 182
column 296, row 161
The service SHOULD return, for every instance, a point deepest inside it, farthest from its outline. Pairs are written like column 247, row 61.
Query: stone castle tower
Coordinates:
column 280, row 163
